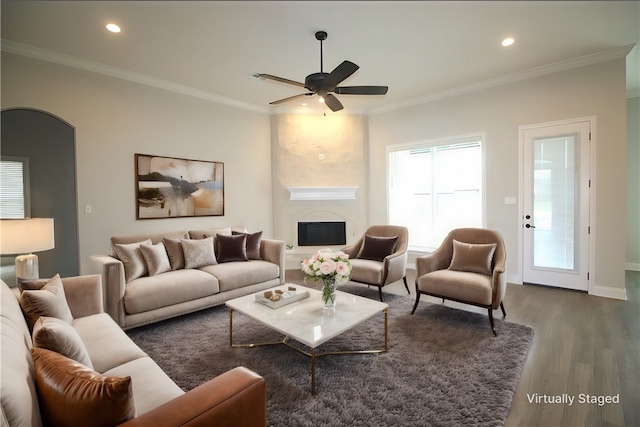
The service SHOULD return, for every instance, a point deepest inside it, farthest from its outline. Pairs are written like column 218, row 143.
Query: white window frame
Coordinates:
column 26, row 190
column 438, row 142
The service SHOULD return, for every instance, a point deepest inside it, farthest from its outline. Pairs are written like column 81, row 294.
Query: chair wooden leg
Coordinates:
column 417, row 301
column 493, row 327
column 504, row 313
column 405, row 284
column 380, row 291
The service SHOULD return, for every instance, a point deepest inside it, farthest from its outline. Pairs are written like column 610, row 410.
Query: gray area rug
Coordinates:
column 444, row 367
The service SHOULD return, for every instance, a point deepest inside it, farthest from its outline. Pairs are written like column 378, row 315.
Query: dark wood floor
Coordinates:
column 583, row 345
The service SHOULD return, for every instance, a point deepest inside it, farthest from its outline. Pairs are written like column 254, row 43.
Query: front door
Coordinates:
column 555, row 203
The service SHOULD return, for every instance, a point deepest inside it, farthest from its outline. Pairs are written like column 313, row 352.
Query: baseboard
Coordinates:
column 609, row 292
column 632, row 266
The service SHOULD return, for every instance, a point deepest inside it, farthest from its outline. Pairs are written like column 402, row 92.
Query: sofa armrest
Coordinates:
column 235, row 398
column 84, row 294
column 113, row 284
column 273, row 251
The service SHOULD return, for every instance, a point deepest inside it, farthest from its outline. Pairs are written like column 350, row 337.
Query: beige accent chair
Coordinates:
column 468, row 267
column 376, row 259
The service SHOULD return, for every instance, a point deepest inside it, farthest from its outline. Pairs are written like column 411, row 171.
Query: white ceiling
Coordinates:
column 422, row 50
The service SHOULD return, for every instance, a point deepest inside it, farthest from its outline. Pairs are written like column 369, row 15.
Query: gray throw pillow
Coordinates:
column 59, row 336
column 175, row 253
column 156, row 258
column 131, row 257
column 198, row 252
column 49, row 301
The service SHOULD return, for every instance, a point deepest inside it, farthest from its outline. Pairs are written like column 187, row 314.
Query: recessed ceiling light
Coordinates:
column 304, row 104
column 508, row 41
column 113, row 28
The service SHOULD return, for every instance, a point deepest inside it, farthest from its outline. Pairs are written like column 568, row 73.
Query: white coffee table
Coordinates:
column 309, row 323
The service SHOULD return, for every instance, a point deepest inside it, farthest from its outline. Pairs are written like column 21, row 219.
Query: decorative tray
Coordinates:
column 287, row 293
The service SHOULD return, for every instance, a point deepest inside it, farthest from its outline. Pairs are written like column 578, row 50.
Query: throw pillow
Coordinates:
column 131, row 257
column 71, row 394
column 232, row 248
column 31, row 285
column 59, row 336
column 175, row 253
column 377, row 248
column 156, row 258
column 198, row 252
column 49, row 301
column 253, row 244
column 472, row 257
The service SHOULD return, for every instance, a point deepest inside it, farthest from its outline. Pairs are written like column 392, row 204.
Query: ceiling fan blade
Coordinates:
column 291, row 98
column 362, row 90
column 278, row 79
column 340, row 73
column 332, row 102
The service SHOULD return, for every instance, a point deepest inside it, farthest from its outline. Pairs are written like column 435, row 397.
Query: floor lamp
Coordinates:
column 25, row 236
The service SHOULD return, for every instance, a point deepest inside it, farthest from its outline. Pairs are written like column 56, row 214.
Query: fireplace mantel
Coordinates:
column 322, row 193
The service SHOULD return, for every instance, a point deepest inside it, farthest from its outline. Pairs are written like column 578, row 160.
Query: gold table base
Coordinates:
column 313, row 355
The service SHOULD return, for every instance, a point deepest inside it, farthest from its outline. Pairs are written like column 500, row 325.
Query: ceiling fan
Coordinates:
column 325, row 84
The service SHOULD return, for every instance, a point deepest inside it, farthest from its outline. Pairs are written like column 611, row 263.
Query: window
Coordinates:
column 14, row 187
column 434, row 187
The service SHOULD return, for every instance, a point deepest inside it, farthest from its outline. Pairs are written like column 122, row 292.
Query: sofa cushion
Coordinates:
column 17, row 387
column 151, row 386
column 131, row 256
column 48, row 301
column 59, row 336
column 70, row 394
column 170, row 288
column 108, row 345
column 465, row 286
column 472, row 257
column 253, row 244
column 377, row 248
column 175, row 253
column 198, row 252
column 234, row 275
column 156, row 258
column 154, row 237
column 231, row 248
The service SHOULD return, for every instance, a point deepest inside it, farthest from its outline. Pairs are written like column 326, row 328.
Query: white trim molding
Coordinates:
column 608, row 292
column 322, row 193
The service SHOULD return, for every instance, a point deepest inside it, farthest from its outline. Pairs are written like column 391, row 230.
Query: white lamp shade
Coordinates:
column 21, row 236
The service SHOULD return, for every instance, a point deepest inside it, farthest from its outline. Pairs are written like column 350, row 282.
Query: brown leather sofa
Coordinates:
column 30, row 390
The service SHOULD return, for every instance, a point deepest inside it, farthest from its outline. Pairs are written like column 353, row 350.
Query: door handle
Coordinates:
column 530, row 226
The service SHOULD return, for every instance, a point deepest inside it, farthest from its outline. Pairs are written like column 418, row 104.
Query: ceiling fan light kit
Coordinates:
column 325, row 84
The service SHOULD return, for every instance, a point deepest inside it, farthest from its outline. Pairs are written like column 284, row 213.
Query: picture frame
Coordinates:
column 171, row 187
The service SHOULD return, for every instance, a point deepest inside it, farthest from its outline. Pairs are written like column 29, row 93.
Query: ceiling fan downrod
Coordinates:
column 321, row 36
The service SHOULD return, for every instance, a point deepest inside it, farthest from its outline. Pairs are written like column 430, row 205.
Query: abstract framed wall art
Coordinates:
column 168, row 187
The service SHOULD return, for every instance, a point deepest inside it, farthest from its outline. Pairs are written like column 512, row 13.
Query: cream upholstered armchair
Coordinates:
column 380, row 256
column 468, row 267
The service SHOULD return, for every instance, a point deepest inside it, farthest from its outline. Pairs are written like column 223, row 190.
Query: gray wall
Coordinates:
column 49, row 144
column 595, row 90
column 114, row 119
column 633, row 184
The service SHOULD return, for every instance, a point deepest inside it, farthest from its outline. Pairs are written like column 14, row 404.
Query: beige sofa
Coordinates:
column 149, row 397
column 134, row 301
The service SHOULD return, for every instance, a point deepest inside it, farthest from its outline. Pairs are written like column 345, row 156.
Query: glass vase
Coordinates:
column 329, row 293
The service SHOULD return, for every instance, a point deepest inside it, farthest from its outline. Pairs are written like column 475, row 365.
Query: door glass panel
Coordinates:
column 554, row 201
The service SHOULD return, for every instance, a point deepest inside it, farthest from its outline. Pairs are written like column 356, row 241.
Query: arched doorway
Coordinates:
column 49, row 144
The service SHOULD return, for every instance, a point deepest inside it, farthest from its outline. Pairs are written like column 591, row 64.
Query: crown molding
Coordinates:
column 96, row 67
column 543, row 70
